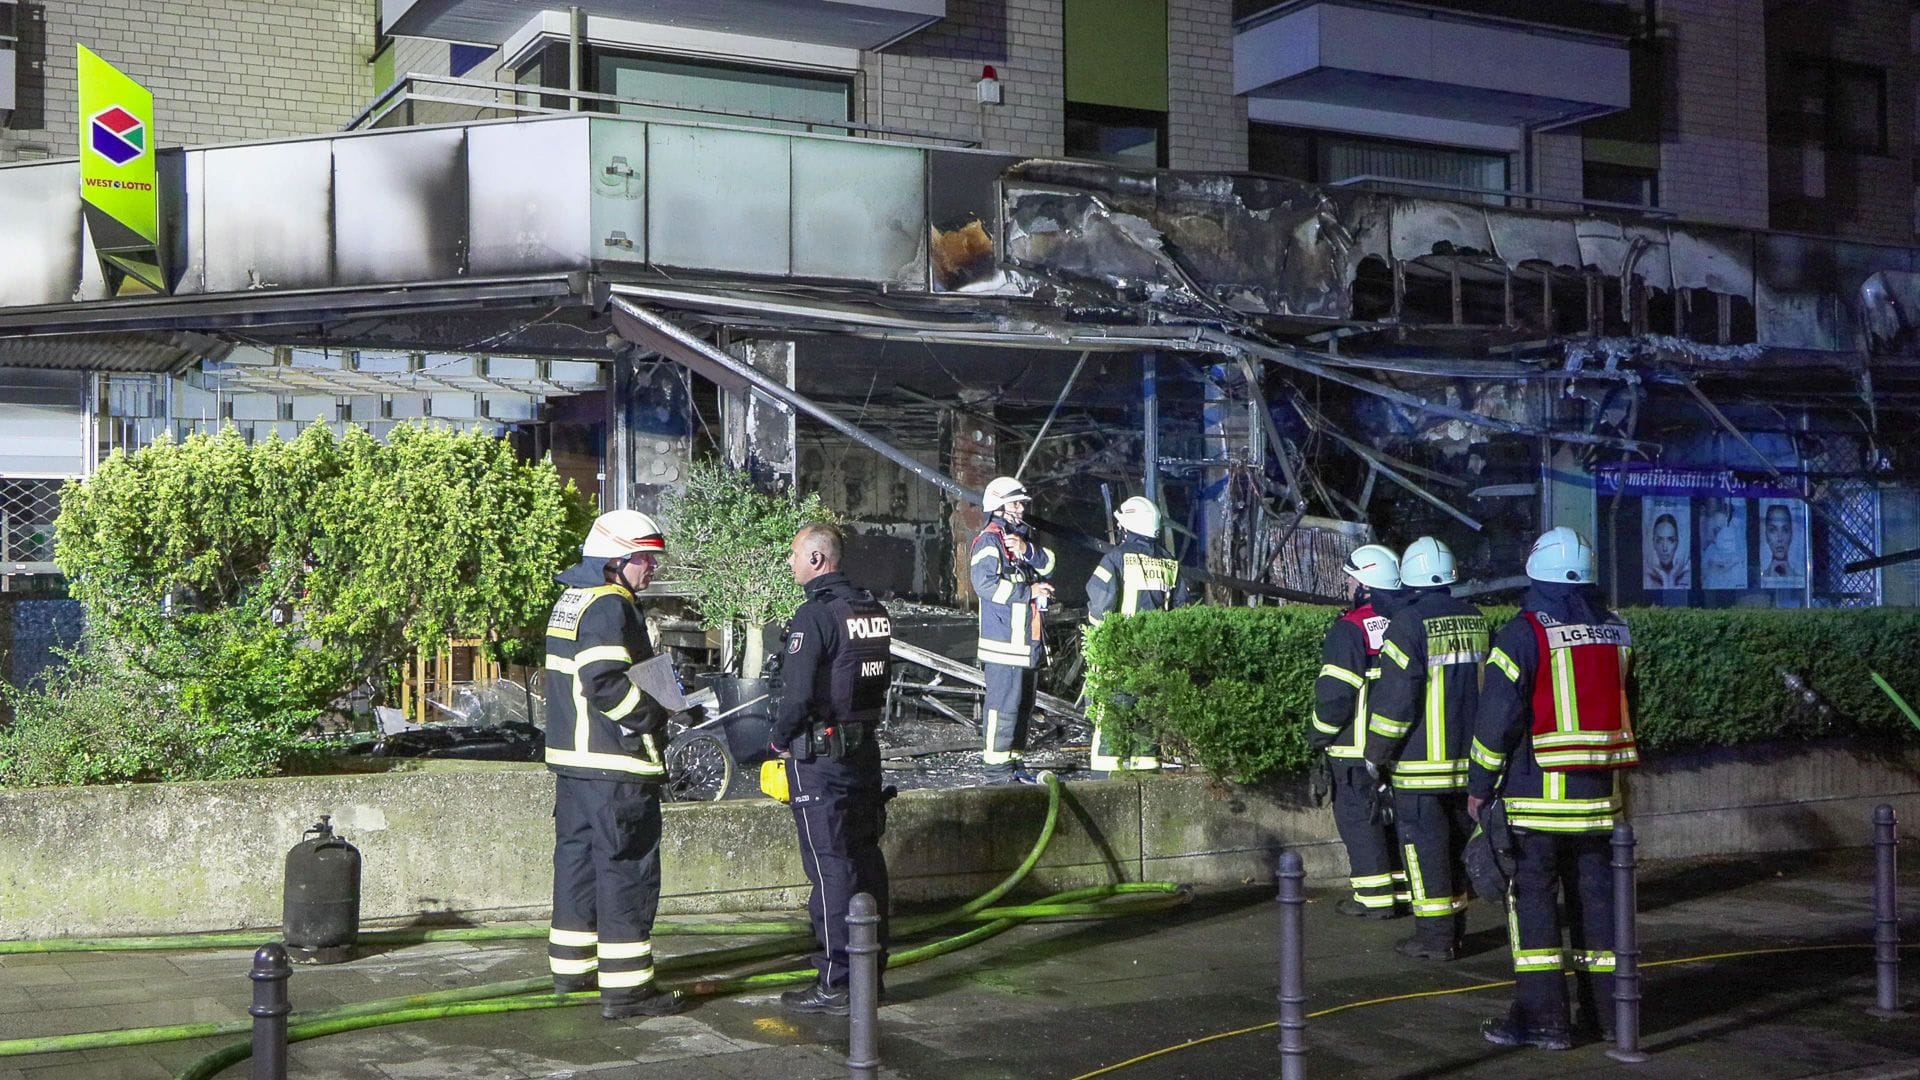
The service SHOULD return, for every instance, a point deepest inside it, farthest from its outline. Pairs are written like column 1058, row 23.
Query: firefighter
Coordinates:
column 1417, row 737
column 834, row 674
column 1349, row 665
column 1553, row 732
column 1010, row 573
column 1139, row 574
column 604, row 740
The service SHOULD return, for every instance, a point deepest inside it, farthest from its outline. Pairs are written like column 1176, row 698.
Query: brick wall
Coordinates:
column 1558, row 167
column 1713, row 156
column 1873, row 192
column 219, row 71
column 927, row 82
column 1206, row 121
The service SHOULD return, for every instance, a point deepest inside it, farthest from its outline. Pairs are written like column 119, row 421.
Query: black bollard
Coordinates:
column 1886, row 914
column 1626, row 951
column 863, row 988
column 1293, row 995
column 269, row 1010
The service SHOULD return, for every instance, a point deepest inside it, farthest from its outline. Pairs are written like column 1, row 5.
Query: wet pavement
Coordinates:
column 1063, row 1000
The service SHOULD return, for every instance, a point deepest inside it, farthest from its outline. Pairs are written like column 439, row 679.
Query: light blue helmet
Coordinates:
column 1561, row 555
column 1427, row 562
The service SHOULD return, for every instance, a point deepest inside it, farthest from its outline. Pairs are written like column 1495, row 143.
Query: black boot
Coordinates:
column 816, row 999
column 648, row 1001
column 1508, row 1031
column 1358, row 910
column 1419, row 948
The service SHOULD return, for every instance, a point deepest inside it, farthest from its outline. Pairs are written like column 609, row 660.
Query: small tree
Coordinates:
column 727, row 545
column 251, row 585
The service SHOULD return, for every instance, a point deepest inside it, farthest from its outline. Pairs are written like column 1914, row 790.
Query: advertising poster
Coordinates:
column 1783, row 544
column 1666, row 543
column 1723, row 543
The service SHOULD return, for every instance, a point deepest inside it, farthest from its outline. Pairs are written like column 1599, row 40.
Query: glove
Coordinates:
column 648, row 718
column 1320, row 779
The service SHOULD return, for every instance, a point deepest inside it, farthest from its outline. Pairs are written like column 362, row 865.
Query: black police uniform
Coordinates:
column 834, row 677
column 604, row 740
column 1422, row 710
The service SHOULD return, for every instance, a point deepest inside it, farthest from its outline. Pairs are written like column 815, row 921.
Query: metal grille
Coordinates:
column 1848, row 518
column 27, row 510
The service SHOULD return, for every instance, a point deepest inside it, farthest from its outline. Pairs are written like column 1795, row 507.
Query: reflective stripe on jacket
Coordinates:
column 1137, row 575
column 1010, row 627
column 1349, row 666
column 1422, row 710
column 593, row 636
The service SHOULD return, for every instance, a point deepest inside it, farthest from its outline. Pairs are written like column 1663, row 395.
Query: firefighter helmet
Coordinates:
column 1563, row 555
column 622, row 532
column 1427, row 562
column 1373, row 565
column 1001, row 491
column 1139, row 515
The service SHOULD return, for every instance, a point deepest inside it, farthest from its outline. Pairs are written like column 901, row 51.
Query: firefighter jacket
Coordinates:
column 1554, row 726
column 1139, row 574
column 599, row 725
column 1349, row 666
column 1009, row 623
column 835, row 666
column 1423, row 704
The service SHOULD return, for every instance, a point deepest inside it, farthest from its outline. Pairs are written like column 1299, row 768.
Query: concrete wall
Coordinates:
column 475, row 839
column 219, row 71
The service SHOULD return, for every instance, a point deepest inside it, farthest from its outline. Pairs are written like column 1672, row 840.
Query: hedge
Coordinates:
column 1232, row 688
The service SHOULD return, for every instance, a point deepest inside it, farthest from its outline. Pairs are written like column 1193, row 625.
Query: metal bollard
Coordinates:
column 269, row 1011
column 1626, row 951
column 1293, row 995
column 1886, row 914
column 863, row 988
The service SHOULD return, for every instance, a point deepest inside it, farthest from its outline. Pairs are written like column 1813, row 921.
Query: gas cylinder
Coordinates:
column 322, row 897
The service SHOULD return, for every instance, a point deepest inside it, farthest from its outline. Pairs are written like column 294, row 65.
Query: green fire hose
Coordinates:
column 790, row 937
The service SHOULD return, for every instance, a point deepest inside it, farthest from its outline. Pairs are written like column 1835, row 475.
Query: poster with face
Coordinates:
column 1723, row 543
column 1666, row 548
column 1783, row 544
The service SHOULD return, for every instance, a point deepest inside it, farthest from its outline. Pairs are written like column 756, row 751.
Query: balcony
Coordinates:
column 1430, row 73
column 846, row 24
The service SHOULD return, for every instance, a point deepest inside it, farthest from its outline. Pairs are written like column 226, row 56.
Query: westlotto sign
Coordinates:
column 116, row 155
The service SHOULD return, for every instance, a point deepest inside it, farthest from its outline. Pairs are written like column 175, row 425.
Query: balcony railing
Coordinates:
column 416, row 100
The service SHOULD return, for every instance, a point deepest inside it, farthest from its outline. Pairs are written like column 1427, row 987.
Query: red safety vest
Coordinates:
column 1580, row 716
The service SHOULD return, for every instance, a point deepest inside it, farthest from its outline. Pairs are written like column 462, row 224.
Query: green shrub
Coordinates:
column 1232, row 688
column 233, row 591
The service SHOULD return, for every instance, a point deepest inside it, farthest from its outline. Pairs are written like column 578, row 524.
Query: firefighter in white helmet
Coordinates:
column 1419, row 723
column 1551, row 737
column 1349, row 667
column 1138, row 574
column 604, row 742
column 1011, row 575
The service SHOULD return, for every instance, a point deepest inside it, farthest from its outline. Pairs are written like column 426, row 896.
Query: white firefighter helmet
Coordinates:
column 1001, row 491
column 1373, row 565
column 1138, row 515
column 622, row 532
column 1427, row 562
column 1563, row 555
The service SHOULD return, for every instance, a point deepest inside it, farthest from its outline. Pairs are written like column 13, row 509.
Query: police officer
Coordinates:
column 1552, row 735
column 1139, row 574
column 1417, row 735
column 834, row 678
column 604, row 741
column 1010, row 573
column 1349, row 666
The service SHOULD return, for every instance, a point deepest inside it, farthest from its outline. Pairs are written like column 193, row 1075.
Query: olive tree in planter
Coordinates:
column 727, row 544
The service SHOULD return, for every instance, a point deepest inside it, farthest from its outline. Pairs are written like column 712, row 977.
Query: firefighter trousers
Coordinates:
column 1374, row 864
column 1550, row 868
column 606, row 886
column 840, row 812
column 1433, row 829
column 1008, row 707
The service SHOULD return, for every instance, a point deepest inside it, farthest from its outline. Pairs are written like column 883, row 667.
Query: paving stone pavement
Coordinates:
column 1061, row 1000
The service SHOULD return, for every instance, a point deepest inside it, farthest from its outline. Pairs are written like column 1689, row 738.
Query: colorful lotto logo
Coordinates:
column 117, row 135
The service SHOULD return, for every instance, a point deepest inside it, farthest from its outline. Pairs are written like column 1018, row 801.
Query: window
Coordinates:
column 1133, row 137
column 1325, row 159
column 1840, row 107
column 1621, row 184
column 698, row 91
